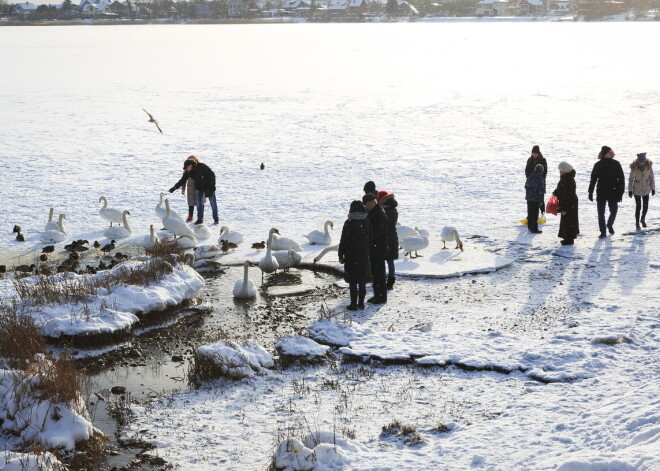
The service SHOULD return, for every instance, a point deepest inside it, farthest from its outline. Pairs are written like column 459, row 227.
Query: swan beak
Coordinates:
column 277, row 232
column 128, row 213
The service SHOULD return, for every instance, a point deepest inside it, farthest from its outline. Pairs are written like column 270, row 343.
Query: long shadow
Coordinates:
column 587, row 282
column 638, row 257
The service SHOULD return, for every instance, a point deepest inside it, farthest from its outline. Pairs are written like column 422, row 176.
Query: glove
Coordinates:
column 630, row 194
column 171, row 190
column 652, row 192
column 591, row 196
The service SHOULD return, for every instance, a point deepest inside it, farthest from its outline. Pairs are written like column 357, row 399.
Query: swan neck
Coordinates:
column 325, row 226
column 105, row 203
column 125, row 221
column 50, row 214
column 167, row 208
column 60, row 224
column 245, row 276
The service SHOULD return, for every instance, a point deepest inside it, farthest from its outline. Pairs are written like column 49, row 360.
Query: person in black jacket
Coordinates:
column 356, row 238
column 370, row 187
column 379, row 247
column 608, row 179
column 535, row 159
column 569, row 226
column 389, row 204
column 534, row 190
column 204, row 186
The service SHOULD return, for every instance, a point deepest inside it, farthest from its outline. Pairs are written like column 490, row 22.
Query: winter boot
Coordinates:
column 390, row 282
column 191, row 210
column 643, row 220
column 360, row 303
column 353, row 305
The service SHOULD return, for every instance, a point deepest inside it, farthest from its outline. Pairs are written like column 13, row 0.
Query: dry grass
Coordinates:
column 166, row 249
column 20, row 338
column 57, row 380
column 412, row 436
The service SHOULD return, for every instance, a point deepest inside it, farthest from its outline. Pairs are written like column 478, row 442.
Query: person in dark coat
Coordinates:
column 534, row 191
column 535, row 159
column 389, row 204
column 204, row 186
column 370, row 187
column 379, row 247
column 569, row 226
column 356, row 239
column 608, row 179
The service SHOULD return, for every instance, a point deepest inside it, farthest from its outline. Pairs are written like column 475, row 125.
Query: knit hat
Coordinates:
column 369, row 187
column 536, row 150
column 357, row 207
column 539, row 168
column 604, row 150
column 368, row 197
column 189, row 162
column 641, row 158
column 565, row 167
column 380, row 195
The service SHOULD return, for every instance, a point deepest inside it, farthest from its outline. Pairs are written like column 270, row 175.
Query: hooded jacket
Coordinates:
column 535, row 185
column 641, row 180
column 389, row 204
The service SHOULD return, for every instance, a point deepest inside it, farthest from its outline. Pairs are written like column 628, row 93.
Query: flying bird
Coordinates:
column 152, row 120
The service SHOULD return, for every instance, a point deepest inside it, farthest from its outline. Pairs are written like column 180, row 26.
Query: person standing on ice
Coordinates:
column 389, row 204
column 534, row 191
column 356, row 238
column 188, row 189
column 640, row 184
column 370, row 187
column 535, row 159
column 379, row 247
column 204, row 186
column 608, row 179
column 569, row 226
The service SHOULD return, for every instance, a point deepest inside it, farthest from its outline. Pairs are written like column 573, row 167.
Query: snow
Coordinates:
column 237, row 359
column 11, row 461
column 296, row 346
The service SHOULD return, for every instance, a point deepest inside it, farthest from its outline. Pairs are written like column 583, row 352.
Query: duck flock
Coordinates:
column 282, row 253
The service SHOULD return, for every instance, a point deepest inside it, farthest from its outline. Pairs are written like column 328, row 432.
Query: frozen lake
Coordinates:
column 443, row 114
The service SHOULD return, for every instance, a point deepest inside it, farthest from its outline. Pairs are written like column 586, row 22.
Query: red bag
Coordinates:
column 553, row 205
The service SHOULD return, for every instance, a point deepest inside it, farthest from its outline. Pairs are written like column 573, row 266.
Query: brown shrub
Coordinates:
column 165, row 249
column 58, row 379
column 21, row 338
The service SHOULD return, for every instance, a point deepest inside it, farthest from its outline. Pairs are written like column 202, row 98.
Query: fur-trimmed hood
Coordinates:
column 647, row 165
column 389, row 200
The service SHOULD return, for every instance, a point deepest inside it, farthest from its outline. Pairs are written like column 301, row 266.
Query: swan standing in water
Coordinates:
column 55, row 236
column 269, row 264
column 332, row 248
column 321, row 238
column 287, row 259
column 119, row 232
column 51, row 225
column 413, row 244
column 201, row 232
column 174, row 225
column 161, row 211
column 245, row 288
column 450, row 234
column 230, row 236
column 109, row 214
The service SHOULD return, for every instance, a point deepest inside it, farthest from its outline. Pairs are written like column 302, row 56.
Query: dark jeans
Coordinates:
column 644, row 202
column 358, row 291
column 378, row 271
column 390, row 268
column 533, row 216
column 614, row 207
column 199, row 200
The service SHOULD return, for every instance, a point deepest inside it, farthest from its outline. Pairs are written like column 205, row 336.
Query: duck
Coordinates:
column 245, row 288
column 174, row 225
column 51, row 225
column 109, row 214
column 321, row 238
column 17, row 229
column 450, row 234
column 226, row 246
column 25, row 268
column 201, row 232
column 3, row 268
column 259, row 245
column 413, row 244
column 206, row 251
column 55, row 236
column 332, row 248
column 107, row 248
column 43, row 257
column 119, row 232
column 20, row 237
column 97, row 244
column 269, row 264
column 284, row 243
column 287, row 259
column 161, row 211
column 406, row 231
column 230, row 236
column 48, row 249
column 187, row 241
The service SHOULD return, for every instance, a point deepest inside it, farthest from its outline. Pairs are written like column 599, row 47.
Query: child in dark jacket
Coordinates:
column 534, row 191
column 356, row 239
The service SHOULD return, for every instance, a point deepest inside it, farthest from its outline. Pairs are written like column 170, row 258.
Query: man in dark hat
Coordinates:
column 204, row 186
column 370, row 187
column 379, row 247
column 608, row 179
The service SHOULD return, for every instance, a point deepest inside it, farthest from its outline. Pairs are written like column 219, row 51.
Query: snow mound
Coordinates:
column 233, row 359
column 319, row 451
column 296, row 346
column 333, row 332
column 11, row 461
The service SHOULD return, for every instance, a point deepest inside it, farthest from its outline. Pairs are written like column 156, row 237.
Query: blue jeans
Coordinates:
column 614, row 207
column 199, row 200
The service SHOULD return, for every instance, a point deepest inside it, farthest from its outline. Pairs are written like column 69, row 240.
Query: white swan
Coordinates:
column 201, row 232
column 161, row 211
column 174, row 225
column 245, row 288
column 406, row 231
column 413, row 244
column 321, row 238
column 332, row 248
column 422, row 232
column 51, row 225
column 186, row 241
column 119, row 232
column 109, row 214
column 55, row 236
column 208, row 266
column 450, row 234
column 284, row 243
column 230, row 236
column 152, row 236
column 206, row 251
column 287, row 259
column 269, row 264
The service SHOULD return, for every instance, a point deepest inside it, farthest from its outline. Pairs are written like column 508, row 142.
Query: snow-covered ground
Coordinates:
column 443, row 115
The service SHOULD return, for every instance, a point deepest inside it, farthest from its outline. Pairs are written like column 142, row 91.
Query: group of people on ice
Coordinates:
column 607, row 179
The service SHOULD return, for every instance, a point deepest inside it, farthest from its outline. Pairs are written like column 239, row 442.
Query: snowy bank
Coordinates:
column 10, row 461
column 234, row 360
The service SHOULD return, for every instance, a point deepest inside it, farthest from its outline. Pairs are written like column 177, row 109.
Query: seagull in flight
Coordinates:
column 152, row 120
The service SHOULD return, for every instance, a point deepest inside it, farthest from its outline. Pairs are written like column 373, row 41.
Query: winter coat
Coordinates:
column 641, row 180
column 189, row 186
column 569, row 226
column 380, row 244
column 356, row 240
column 531, row 164
column 203, row 176
column 389, row 205
column 535, row 187
column 611, row 181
